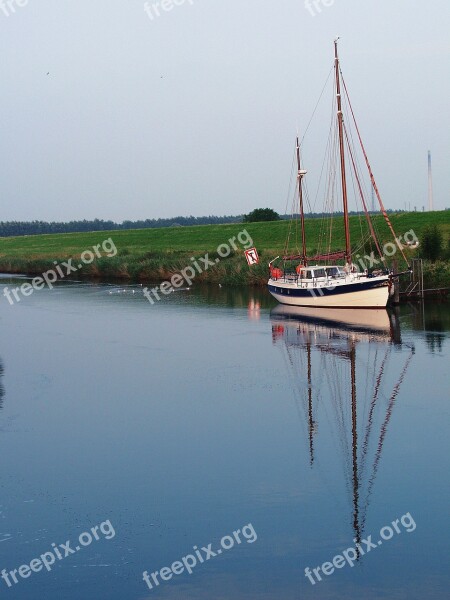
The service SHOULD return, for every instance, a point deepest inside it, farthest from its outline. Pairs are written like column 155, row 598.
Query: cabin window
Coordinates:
column 334, row 272
column 320, row 273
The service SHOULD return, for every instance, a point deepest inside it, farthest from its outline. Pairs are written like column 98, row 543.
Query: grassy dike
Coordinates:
column 151, row 255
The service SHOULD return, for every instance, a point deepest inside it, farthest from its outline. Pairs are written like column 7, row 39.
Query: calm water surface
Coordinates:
column 182, row 422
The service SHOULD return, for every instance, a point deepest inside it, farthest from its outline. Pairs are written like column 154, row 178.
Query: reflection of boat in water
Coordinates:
column 347, row 373
column 362, row 320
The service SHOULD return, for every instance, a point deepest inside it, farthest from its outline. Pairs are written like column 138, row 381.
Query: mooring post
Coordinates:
column 422, row 294
column 394, row 319
column 396, row 284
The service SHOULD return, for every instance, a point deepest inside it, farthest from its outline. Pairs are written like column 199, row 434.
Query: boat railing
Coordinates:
column 293, row 278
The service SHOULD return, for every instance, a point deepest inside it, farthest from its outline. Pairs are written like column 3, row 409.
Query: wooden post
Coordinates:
column 396, row 284
column 394, row 319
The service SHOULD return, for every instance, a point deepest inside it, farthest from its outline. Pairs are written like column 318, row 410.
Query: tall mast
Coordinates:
column 348, row 250
column 300, row 174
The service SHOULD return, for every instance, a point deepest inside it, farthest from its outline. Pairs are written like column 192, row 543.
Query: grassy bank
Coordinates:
column 156, row 254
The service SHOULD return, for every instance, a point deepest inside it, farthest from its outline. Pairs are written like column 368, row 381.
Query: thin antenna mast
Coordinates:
column 430, row 183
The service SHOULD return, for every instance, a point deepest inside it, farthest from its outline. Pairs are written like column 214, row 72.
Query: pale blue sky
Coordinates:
column 195, row 111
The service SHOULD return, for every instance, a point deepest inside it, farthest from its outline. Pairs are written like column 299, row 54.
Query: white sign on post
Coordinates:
column 252, row 256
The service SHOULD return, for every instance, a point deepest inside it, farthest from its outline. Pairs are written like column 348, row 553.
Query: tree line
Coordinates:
column 18, row 228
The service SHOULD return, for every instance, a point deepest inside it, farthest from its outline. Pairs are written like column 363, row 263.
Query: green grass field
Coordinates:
column 155, row 254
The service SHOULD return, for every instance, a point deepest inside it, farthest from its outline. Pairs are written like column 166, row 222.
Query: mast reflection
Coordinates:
column 2, row 389
column 340, row 360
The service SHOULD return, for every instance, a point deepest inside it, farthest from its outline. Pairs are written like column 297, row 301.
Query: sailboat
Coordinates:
column 332, row 278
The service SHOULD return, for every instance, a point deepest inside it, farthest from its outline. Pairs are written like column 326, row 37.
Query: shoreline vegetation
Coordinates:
column 155, row 255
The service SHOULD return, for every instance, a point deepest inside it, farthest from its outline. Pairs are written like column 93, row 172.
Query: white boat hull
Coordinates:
column 363, row 293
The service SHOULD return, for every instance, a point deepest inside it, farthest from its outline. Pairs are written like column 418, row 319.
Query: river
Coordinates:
column 288, row 456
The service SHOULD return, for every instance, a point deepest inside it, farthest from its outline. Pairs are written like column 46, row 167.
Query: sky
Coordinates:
column 115, row 110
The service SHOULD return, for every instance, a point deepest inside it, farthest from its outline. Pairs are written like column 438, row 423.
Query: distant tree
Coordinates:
column 432, row 242
column 261, row 214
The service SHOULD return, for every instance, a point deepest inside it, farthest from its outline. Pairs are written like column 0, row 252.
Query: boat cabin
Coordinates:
column 313, row 273
column 321, row 273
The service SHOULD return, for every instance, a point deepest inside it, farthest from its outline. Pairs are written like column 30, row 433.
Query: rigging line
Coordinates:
column 288, row 236
column 306, row 196
column 353, row 144
column 342, row 419
column 339, row 410
column 359, row 170
column 295, row 378
column 329, row 185
column 330, row 420
column 350, row 131
column 286, row 249
column 371, row 411
column 333, row 186
column 287, row 358
column 361, row 247
column 296, row 248
column 327, row 149
column 358, row 215
column 354, row 176
column 317, row 461
column 331, row 189
column 334, row 178
column 318, row 102
column 290, row 184
column 372, row 177
column 369, row 370
column 383, row 431
column 369, row 222
column 307, row 414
